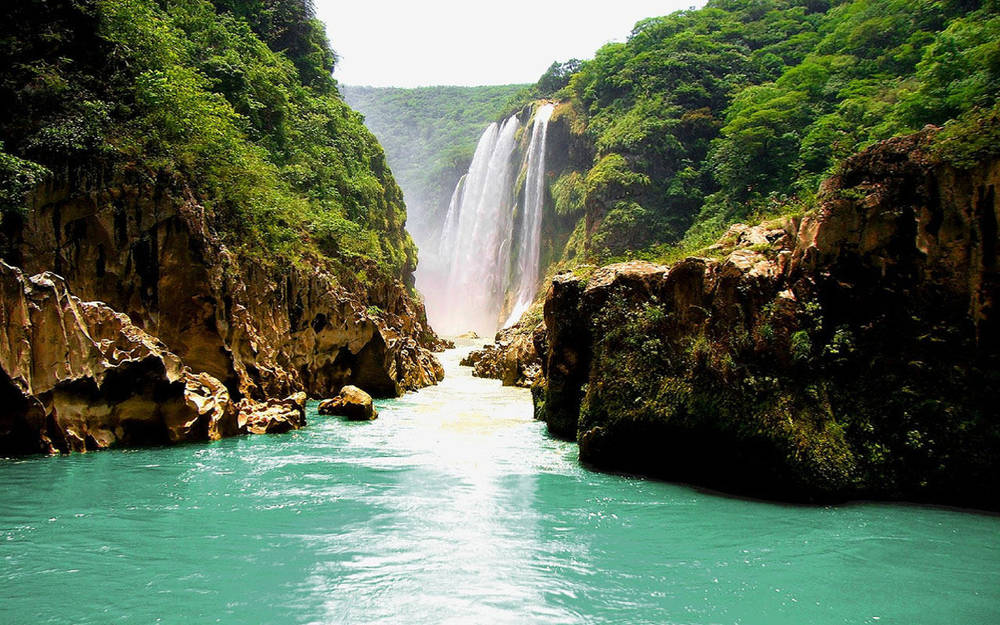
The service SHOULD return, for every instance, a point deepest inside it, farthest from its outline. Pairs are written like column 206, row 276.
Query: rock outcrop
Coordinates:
column 214, row 332
column 265, row 331
column 511, row 357
column 272, row 416
column 845, row 353
column 351, row 402
column 77, row 376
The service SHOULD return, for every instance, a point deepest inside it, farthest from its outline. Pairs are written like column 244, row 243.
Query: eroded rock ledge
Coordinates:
column 852, row 352
column 265, row 331
column 512, row 357
column 77, row 376
column 246, row 331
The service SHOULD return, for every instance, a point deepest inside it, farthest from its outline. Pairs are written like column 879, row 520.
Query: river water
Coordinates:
column 455, row 507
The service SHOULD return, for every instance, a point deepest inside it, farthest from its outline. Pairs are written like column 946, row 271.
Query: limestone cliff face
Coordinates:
column 148, row 252
column 76, row 376
column 847, row 353
column 264, row 331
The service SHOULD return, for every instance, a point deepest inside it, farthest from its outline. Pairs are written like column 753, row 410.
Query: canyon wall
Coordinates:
column 192, row 173
column 77, row 376
column 264, row 330
column 849, row 352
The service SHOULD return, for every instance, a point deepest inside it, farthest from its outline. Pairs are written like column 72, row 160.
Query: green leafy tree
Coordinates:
column 233, row 100
column 740, row 107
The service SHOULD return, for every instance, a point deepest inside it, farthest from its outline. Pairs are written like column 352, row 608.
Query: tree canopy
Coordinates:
column 747, row 104
column 232, row 99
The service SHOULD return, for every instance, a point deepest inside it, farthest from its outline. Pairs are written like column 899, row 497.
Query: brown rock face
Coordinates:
column 511, row 358
column 272, row 416
column 568, row 355
column 352, row 403
column 78, row 376
column 846, row 353
column 265, row 331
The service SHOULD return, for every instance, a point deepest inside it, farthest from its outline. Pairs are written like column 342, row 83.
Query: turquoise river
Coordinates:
column 455, row 507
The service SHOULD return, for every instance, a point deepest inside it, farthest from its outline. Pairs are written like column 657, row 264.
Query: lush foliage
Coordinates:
column 290, row 27
column 17, row 178
column 970, row 139
column 232, row 100
column 711, row 116
column 429, row 135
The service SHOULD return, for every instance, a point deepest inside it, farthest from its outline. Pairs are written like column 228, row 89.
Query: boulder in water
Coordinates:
column 352, row 402
column 471, row 334
column 273, row 416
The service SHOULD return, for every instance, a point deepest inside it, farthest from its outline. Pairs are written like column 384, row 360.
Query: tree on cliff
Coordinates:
column 742, row 107
column 235, row 102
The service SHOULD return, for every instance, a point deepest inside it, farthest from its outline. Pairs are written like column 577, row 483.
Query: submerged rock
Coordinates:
column 352, row 402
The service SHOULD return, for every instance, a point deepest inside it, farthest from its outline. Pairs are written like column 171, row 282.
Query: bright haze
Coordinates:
column 451, row 42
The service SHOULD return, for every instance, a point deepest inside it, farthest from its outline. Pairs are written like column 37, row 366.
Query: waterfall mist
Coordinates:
column 487, row 262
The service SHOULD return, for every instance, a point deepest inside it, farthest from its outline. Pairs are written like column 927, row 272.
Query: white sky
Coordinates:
column 453, row 42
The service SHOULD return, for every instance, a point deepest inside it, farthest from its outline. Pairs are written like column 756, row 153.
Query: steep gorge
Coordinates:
column 851, row 352
column 182, row 232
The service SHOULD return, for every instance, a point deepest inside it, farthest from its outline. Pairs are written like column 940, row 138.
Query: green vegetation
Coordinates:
column 970, row 139
column 231, row 100
column 429, row 135
column 17, row 178
column 860, row 375
column 568, row 192
column 879, row 398
column 738, row 110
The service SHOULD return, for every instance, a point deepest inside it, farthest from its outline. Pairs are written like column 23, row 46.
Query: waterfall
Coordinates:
column 479, row 270
column 476, row 237
column 528, row 248
column 448, row 230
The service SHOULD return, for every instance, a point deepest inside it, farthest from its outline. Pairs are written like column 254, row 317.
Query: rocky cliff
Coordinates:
column 850, row 352
column 250, row 225
column 264, row 330
column 77, row 375
column 512, row 357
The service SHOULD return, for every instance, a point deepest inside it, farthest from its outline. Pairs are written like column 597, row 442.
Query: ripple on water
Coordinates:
column 455, row 507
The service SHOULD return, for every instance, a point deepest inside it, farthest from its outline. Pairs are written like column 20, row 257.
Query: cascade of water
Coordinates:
column 528, row 248
column 451, row 219
column 476, row 273
column 476, row 174
column 476, row 237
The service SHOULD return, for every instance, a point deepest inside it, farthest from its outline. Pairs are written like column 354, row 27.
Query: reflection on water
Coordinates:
column 455, row 507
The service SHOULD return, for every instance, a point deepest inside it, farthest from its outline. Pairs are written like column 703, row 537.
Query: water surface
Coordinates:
column 455, row 507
